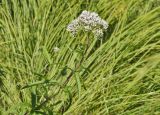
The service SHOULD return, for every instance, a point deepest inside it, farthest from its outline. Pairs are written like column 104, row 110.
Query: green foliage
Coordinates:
column 119, row 74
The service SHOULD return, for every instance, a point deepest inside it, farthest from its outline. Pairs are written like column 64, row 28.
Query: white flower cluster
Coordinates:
column 88, row 21
column 56, row 49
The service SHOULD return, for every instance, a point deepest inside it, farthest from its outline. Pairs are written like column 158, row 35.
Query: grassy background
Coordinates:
column 119, row 75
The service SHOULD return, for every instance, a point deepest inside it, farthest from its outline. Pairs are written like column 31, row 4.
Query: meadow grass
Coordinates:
column 117, row 75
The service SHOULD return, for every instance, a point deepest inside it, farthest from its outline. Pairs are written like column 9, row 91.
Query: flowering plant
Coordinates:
column 88, row 21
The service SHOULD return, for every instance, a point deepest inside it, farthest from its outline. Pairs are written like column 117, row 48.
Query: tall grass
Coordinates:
column 118, row 75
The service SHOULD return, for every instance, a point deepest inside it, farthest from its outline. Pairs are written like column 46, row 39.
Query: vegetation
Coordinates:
column 116, row 75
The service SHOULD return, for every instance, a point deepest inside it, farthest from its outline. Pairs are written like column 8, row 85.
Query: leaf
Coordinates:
column 78, row 83
column 40, row 82
column 1, row 72
column 38, row 112
column 47, row 55
column 50, row 112
column 33, row 99
column 64, row 71
column 68, row 102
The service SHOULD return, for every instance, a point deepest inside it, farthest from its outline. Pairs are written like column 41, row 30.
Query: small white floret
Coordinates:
column 56, row 49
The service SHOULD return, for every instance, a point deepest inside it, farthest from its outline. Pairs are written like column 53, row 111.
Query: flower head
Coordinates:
column 88, row 21
column 98, row 32
column 73, row 26
column 56, row 49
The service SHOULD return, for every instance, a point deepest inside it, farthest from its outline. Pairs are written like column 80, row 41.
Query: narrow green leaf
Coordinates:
column 78, row 82
column 47, row 55
column 33, row 99
column 40, row 82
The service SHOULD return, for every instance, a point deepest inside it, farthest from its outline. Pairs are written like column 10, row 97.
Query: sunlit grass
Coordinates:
column 119, row 74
